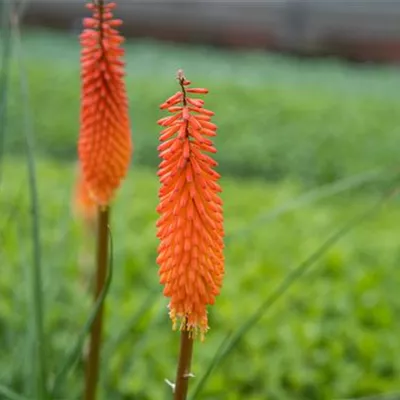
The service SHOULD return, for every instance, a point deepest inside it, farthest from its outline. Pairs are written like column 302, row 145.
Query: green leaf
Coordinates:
column 75, row 352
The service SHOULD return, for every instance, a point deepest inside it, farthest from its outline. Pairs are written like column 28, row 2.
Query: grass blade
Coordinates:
column 39, row 358
column 77, row 349
column 309, row 197
column 139, row 344
column 288, row 281
column 4, row 73
column 123, row 334
column 12, row 215
column 9, row 394
column 218, row 355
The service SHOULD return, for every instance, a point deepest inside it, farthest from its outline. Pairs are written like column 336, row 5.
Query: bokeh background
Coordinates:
column 306, row 97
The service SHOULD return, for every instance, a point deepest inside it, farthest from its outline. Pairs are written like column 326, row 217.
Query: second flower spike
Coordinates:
column 105, row 145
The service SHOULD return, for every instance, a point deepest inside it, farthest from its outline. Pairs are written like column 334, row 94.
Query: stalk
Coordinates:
column 183, row 373
column 93, row 361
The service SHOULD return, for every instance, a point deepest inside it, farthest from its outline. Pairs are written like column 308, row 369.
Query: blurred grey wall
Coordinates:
column 358, row 29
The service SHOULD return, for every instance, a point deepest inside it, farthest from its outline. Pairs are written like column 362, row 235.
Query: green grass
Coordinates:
column 312, row 120
column 334, row 335
column 285, row 126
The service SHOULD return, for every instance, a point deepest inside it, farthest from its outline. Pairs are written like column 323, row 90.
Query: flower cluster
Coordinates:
column 190, row 227
column 104, row 141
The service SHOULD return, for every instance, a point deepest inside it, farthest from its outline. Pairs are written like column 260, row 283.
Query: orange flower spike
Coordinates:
column 190, row 227
column 105, row 145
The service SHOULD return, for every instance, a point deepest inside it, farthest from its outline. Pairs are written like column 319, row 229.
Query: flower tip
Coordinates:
column 180, row 74
column 181, row 78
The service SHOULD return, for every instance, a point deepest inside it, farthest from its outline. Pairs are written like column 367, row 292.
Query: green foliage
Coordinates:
column 334, row 335
column 277, row 116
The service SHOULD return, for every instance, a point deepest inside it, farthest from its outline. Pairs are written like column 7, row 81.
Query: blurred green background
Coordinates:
column 286, row 127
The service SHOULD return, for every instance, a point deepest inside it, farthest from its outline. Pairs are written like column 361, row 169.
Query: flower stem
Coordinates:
column 93, row 361
column 183, row 373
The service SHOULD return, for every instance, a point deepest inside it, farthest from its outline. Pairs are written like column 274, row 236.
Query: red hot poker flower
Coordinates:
column 104, row 142
column 190, row 228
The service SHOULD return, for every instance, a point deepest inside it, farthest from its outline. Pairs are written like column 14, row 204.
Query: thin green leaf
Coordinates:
column 75, row 352
column 9, row 394
column 12, row 215
column 131, row 324
column 140, row 344
column 4, row 73
column 309, row 197
column 288, row 281
column 39, row 358
column 214, row 362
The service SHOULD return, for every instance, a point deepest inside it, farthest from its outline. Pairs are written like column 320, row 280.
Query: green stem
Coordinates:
column 183, row 373
column 93, row 361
